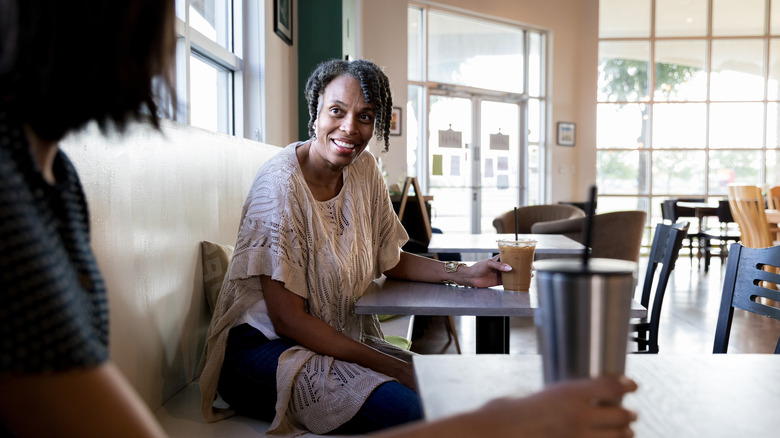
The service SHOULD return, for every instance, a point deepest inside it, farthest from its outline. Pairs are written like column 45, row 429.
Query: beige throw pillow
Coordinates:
column 215, row 259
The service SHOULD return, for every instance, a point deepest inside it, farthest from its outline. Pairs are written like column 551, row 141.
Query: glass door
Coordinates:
column 474, row 161
column 501, row 162
column 449, row 170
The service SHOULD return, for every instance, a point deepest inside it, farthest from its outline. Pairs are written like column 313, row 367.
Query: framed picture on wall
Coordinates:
column 283, row 20
column 396, row 121
column 566, row 133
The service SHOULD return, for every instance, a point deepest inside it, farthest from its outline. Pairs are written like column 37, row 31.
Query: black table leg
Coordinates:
column 492, row 335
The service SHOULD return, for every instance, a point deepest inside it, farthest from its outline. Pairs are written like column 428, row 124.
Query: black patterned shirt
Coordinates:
column 53, row 307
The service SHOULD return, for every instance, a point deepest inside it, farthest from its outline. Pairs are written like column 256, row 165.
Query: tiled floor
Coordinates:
column 689, row 315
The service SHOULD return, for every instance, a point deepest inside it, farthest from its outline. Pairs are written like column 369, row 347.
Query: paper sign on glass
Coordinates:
column 499, row 142
column 436, row 166
column 455, row 165
column 450, row 139
column 502, row 163
column 488, row 168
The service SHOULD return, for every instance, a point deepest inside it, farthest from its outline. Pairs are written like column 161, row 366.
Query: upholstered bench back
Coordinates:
column 153, row 198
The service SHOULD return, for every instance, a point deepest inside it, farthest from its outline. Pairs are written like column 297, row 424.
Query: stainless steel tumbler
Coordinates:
column 583, row 316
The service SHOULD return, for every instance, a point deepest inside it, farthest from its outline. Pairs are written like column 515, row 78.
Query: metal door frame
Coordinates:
column 477, row 96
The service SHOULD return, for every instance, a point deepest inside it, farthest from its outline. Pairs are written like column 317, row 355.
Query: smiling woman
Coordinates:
column 343, row 128
column 318, row 227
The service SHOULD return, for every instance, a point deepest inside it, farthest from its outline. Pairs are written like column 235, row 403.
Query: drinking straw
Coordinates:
column 591, row 208
column 515, row 223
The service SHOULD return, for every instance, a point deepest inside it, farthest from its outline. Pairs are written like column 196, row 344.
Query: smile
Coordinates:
column 343, row 144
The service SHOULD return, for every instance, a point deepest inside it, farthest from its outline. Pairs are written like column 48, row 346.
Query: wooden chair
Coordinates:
column 664, row 251
column 531, row 214
column 747, row 206
column 751, row 277
column 773, row 198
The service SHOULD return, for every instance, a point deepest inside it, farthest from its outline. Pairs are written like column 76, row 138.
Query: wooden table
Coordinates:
column 493, row 331
column 701, row 210
column 546, row 244
column 396, row 297
column 679, row 396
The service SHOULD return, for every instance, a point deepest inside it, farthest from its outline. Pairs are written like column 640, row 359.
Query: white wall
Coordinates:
column 384, row 42
column 573, row 76
column 280, row 82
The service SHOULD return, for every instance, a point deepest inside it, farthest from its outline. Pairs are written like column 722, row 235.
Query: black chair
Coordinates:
column 664, row 251
column 751, row 274
column 672, row 212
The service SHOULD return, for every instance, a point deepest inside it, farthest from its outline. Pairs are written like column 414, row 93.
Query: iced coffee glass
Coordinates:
column 520, row 255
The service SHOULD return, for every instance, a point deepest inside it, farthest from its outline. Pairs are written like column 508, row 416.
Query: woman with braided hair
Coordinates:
column 317, row 227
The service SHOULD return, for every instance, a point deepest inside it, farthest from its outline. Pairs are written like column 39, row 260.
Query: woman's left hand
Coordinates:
column 485, row 273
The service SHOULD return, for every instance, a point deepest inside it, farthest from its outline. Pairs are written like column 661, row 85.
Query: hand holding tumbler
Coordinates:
column 583, row 316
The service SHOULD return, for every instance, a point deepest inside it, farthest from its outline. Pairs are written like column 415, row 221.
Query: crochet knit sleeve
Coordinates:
column 390, row 235
column 269, row 238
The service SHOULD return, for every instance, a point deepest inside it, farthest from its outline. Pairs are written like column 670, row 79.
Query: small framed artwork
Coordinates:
column 566, row 134
column 396, row 121
column 283, row 20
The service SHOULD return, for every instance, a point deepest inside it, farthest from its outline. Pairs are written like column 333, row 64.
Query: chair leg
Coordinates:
column 690, row 248
column 452, row 331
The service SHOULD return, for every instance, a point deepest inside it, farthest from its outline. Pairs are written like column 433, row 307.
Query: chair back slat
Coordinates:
column 758, row 277
column 750, row 283
column 773, row 198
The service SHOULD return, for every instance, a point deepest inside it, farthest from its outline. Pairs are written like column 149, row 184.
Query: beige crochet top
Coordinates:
column 326, row 252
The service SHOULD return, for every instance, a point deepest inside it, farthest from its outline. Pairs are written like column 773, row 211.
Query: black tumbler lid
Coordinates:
column 595, row 266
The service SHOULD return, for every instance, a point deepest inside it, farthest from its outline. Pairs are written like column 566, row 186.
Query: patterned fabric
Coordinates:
column 215, row 259
column 326, row 252
column 54, row 313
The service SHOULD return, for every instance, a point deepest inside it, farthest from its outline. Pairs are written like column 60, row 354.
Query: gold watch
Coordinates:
column 452, row 266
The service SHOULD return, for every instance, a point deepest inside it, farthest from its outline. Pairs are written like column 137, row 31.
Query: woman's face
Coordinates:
column 344, row 124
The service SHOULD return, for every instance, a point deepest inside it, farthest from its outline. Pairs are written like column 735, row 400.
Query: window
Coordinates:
column 687, row 99
column 211, row 65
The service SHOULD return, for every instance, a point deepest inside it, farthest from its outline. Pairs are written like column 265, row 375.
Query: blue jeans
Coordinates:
column 248, row 384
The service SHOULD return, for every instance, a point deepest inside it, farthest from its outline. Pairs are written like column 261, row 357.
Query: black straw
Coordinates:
column 515, row 223
column 591, row 209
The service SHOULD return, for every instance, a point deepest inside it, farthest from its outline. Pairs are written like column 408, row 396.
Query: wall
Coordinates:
column 573, row 76
column 383, row 41
column 320, row 40
column 280, row 84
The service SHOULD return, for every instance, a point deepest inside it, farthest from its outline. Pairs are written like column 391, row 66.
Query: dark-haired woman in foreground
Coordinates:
column 316, row 229
column 62, row 65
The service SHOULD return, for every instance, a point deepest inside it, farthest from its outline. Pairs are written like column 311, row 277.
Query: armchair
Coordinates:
column 615, row 235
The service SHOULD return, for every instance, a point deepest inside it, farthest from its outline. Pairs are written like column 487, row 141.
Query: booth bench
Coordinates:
column 153, row 198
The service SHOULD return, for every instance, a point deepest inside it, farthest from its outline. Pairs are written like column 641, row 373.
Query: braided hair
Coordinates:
column 373, row 81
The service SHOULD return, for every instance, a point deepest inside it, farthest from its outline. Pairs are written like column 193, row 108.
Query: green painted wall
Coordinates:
column 319, row 39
